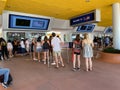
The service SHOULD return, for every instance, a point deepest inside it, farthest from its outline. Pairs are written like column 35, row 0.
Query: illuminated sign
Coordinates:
column 108, row 30
column 27, row 22
column 86, row 28
column 93, row 16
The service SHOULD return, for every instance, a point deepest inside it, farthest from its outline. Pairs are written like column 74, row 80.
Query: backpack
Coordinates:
column 10, row 79
column 46, row 45
column 77, row 47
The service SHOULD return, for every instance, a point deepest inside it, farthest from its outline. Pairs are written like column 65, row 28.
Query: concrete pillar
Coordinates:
column 116, row 25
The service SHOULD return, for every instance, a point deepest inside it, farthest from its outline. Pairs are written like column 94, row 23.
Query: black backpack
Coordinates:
column 77, row 46
column 10, row 79
column 46, row 45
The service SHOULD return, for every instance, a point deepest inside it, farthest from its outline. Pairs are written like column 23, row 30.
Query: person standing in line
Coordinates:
column 4, row 48
column 57, row 50
column 51, row 51
column 27, row 45
column 10, row 48
column 22, row 45
column 33, row 49
column 76, row 49
column 39, row 47
column 87, row 45
column 15, row 47
column 46, row 46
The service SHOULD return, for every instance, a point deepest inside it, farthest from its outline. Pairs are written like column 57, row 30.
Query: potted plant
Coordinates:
column 110, row 55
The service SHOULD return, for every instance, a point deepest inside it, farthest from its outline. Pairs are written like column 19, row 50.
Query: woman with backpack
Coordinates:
column 46, row 46
column 76, row 52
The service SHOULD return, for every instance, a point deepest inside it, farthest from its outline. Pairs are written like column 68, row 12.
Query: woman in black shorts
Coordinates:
column 76, row 49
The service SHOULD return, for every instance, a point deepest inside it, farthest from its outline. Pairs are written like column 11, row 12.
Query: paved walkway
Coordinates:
column 32, row 75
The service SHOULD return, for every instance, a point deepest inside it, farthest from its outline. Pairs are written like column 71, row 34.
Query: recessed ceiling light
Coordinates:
column 87, row 0
column 8, row 6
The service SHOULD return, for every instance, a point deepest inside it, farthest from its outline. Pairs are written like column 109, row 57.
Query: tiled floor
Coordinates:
column 32, row 75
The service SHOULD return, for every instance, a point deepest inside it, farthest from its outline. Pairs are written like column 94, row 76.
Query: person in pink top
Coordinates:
column 77, row 50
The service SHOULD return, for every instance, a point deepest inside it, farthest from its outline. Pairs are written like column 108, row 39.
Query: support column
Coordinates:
column 116, row 25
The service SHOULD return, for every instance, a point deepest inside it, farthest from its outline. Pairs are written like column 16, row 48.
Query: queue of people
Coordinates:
column 42, row 50
column 46, row 48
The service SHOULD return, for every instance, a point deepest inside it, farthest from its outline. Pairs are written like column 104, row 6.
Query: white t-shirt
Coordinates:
column 38, row 45
column 22, row 44
column 56, row 44
column 9, row 45
column 27, row 43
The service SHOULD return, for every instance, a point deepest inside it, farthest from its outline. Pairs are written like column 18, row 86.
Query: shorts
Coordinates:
column 45, row 50
column 56, row 53
column 77, row 53
column 39, row 50
column 22, row 50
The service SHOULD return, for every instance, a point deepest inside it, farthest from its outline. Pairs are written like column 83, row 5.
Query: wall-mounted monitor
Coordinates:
column 88, row 28
column 108, row 30
column 27, row 22
column 89, row 17
column 22, row 22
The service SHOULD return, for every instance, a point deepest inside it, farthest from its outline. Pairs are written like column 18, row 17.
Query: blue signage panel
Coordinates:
column 26, row 22
column 83, row 19
column 108, row 30
column 86, row 28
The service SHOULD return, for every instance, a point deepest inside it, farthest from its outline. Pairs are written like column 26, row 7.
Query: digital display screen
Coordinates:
column 37, row 23
column 22, row 22
column 82, row 19
column 108, row 30
column 86, row 28
column 27, row 22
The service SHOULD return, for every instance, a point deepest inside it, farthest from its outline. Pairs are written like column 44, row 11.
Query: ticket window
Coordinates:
column 15, row 35
column 36, row 35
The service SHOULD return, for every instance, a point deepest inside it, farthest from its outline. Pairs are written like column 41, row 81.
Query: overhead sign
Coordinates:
column 90, row 17
column 108, row 30
column 86, row 28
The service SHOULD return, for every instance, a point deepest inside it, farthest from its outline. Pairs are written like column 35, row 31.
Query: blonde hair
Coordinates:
column 85, row 35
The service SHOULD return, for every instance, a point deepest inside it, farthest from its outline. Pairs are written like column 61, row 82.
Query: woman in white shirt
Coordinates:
column 39, row 47
column 22, row 44
column 10, row 48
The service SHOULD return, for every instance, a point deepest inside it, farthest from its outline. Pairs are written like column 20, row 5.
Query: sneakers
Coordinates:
column 4, row 85
column 44, row 62
column 76, row 69
column 53, row 63
column 34, row 59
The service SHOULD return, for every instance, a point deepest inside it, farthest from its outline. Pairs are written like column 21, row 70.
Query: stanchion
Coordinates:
column 30, row 52
column 68, row 55
column 48, row 60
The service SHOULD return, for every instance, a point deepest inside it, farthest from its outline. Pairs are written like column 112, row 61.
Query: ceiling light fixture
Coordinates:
column 87, row 0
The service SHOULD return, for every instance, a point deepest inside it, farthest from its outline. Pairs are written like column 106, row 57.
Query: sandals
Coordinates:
column 57, row 67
